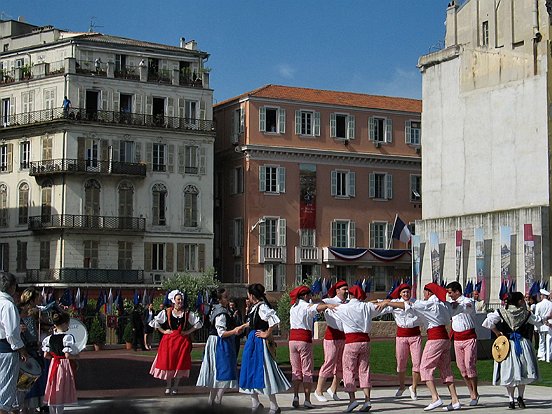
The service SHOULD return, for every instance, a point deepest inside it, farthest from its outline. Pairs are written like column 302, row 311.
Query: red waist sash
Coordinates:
column 333, row 334
column 356, row 337
column 439, row 332
column 304, row 335
column 463, row 335
column 407, row 332
column 56, row 360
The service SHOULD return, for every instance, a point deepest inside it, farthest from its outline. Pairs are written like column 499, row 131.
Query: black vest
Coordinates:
column 255, row 321
column 525, row 330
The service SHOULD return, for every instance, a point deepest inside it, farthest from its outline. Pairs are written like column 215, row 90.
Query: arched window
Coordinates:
column 191, row 194
column 159, row 198
column 3, row 205
column 23, row 203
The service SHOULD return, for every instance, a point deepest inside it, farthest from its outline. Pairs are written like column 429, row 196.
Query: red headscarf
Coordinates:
column 298, row 291
column 337, row 285
column 396, row 293
column 437, row 290
column 357, row 292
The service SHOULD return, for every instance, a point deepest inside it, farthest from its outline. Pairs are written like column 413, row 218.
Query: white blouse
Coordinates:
column 69, row 345
column 193, row 319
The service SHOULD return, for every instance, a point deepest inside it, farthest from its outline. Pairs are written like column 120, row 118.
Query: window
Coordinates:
column 307, row 123
column 90, row 254
column 5, row 256
column 46, row 202
column 21, row 256
column 23, row 212
column 191, row 111
column 379, row 235
column 238, row 272
column 343, row 233
column 191, row 195
column 485, row 33
column 6, row 109
column 44, row 255
column 6, row 158
column 343, row 184
column 307, row 237
column 124, row 255
column 415, row 188
column 272, row 179
column 191, row 161
column 190, row 257
column 24, row 155
column 126, row 151
column 274, row 277
column 159, row 158
column 342, row 126
column 47, row 148
column 380, row 186
column 272, row 120
column 159, row 204
column 4, row 205
column 236, row 233
column 272, row 232
column 413, row 132
column 380, row 129
column 380, row 279
column 237, row 184
column 158, row 256
column 238, row 124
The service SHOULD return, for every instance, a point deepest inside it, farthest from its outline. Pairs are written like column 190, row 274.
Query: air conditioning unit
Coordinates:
column 237, row 251
column 157, row 279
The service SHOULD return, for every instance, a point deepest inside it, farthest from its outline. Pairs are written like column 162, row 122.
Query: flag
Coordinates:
column 101, row 301
column 109, row 302
column 199, row 303
column 395, row 285
column 167, row 302
column 400, row 230
column 324, row 288
column 78, row 303
column 316, row 287
column 145, row 298
column 66, row 299
column 503, row 291
column 136, row 299
column 44, row 296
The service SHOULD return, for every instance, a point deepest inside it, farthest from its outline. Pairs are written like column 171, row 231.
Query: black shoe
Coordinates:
column 521, row 403
column 512, row 405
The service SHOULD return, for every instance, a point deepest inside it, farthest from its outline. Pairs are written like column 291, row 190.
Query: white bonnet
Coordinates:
column 174, row 293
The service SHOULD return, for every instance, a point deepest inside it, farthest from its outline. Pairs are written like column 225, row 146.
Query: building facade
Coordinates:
column 117, row 186
column 486, row 160
column 308, row 183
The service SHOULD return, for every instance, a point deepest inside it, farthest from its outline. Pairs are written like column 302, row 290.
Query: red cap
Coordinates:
column 437, row 290
column 337, row 285
column 396, row 293
column 357, row 292
column 298, row 291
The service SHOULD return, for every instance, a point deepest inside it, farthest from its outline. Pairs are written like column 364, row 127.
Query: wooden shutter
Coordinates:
column 138, row 151
column 181, row 159
column 372, row 230
column 242, row 119
column 149, row 155
column 201, row 257
column 317, row 124
column 149, row 105
column 81, row 145
column 282, row 120
column 202, row 110
column 282, row 232
column 333, row 231
column 333, row 127
column 262, row 178
column 170, row 107
column 262, row 119
column 104, row 150
column 138, row 104
column 298, row 274
column 6, row 256
column 202, row 161
column 180, row 257
column 298, row 122
column 388, row 186
column 269, row 277
column 169, row 260
column 281, row 179
column 372, row 185
column 281, row 269
column 388, row 130
column 262, row 234
column 407, row 132
column 147, row 257
column 352, row 235
column 170, row 158
column 10, row 157
column 115, row 145
column 351, row 127
column 352, row 183
column 371, row 129
column 334, row 183
column 116, row 102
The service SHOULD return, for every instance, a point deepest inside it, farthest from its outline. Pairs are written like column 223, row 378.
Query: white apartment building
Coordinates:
column 118, row 187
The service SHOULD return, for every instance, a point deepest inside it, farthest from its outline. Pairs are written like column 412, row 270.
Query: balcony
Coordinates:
column 108, row 118
column 87, row 222
column 272, row 254
column 308, row 255
column 84, row 275
column 73, row 166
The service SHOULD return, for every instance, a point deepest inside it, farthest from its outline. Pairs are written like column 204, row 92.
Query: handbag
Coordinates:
column 501, row 348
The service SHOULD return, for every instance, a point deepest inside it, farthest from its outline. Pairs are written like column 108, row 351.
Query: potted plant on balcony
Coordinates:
column 128, row 335
column 97, row 333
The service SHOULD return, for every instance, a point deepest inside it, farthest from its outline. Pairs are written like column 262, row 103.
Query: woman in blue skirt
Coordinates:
column 259, row 372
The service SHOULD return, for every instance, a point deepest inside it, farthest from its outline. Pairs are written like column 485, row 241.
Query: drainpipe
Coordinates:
column 63, row 191
column 537, row 36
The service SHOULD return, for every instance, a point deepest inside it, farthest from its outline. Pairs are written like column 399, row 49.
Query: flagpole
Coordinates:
column 392, row 231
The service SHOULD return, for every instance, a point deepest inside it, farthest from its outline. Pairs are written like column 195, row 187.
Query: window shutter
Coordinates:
column 138, row 151
column 202, row 110
column 281, row 232
column 282, row 120
column 298, row 122
column 181, row 159
column 316, row 270
column 298, row 274
column 149, row 155
column 262, row 234
column 170, row 158
column 6, row 256
column 116, row 102
column 169, row 259
column 281, row 269
column 372, row 229
column 407, row 132
column 202, row 160
column 352, row 234
column 138, row 104
column 281, row 179
column 115, row 146
column 262, row 119
column 201, row 257
column 170, row 107
column 351, row 127
column 388, row 186
column 334, row 183
column 269, row 277
column 242, row 119
column 10, row 157
column 147, row 257
column 103, row 101
column 388, row 240
column 104, row 150
column 81, row 141
column 372, row 185
column 180, row 257
column 149, row 105
column 352, row 183
column 333, row 131
column 388, row 130
column 317, row 124
column 182, row 109
column 333, row 230
column 231, row 237
column 371, row 129
column 262, row 178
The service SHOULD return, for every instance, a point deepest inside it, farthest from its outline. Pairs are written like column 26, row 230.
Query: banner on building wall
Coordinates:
column 307, row 194
column 458, row 254
column 529, row 255
column 416, row 261
column 505, row 257
column 479, row 235
column 435, row 258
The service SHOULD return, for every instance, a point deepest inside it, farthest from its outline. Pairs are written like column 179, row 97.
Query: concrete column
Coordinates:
column 143, row 69
column 70, row 65
column 110, row 69
column 175, row 77
column 451, row 37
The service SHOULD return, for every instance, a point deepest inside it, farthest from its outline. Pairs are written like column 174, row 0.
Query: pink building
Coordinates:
column 308, row 182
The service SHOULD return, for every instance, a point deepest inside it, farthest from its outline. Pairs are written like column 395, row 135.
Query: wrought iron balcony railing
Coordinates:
column 85, row 275
column 86, row 222
column 107, row 117
column 73, row 166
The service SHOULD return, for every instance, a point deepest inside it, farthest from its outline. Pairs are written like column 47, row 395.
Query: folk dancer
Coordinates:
column 259, row 372
column 436, row 353
column 356, row 318
column 219, row 366
column 333, row 343
column 543, row 309
column 520, row 366
column 464, row 337
column 173, row 360
column 301, row 321
column 408, row 340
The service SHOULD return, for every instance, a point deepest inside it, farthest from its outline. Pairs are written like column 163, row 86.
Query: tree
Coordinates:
column 192, row 284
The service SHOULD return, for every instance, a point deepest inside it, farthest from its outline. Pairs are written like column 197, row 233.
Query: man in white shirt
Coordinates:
column 464, row 337
column 11, row 345
column 544, row 310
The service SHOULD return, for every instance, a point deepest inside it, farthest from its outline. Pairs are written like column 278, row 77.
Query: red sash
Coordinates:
column 333, row 334
column 439, row 332
column 303, row 335
column 356, row 337
column 407, row 332
column 463, row 336
column 56, row 360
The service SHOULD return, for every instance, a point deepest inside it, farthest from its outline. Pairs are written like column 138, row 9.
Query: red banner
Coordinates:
column 307, row 202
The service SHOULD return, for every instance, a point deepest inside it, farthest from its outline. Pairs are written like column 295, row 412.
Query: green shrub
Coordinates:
column 97, row 332
column 128, row 333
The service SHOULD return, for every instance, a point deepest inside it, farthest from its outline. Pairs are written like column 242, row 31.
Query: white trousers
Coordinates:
column 545, row 347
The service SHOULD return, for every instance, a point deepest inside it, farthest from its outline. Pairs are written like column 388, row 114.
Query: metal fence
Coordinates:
column 66, row 165
column 86, row 222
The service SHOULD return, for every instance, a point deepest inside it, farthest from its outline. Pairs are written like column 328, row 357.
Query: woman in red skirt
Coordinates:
column 173, row 360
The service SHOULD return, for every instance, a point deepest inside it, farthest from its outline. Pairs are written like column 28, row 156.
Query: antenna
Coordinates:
column 93, row 24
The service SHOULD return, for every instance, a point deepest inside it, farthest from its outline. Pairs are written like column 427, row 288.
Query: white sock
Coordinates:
column 273, row 402
column 255, row 400
column 211, row 398
column 220, row 393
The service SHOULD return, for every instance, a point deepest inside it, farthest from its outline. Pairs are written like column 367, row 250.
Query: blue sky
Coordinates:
column 366, row 46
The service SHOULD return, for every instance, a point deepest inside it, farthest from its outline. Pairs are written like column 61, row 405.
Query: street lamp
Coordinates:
column 260, row 221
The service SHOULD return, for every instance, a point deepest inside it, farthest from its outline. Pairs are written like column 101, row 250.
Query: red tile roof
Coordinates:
column 360, row 100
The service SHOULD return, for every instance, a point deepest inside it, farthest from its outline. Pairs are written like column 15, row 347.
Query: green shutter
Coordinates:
column 262, row 119
column 282, row 120
column 333, row 131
